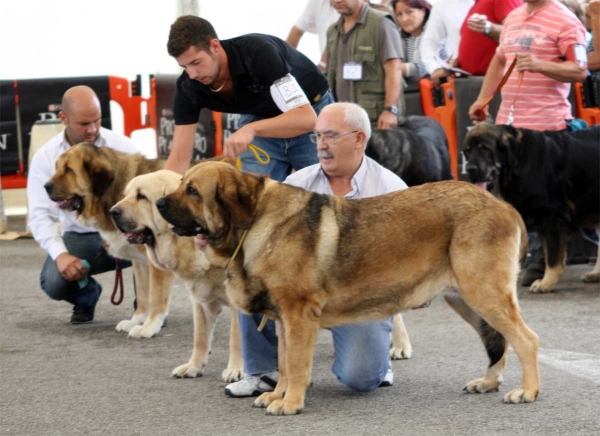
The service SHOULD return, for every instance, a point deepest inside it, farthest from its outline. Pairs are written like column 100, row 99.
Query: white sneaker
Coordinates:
column 253, row 385
column 388, row 380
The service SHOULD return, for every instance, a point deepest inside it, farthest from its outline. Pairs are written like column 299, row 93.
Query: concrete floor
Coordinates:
column 61, row 379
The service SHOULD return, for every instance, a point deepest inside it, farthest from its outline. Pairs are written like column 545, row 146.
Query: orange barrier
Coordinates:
column 445, row 114
column 218, row 120
column 590, row 114
column 132, row 102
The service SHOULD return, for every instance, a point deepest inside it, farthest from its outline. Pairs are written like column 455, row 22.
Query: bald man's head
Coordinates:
column 81, row 114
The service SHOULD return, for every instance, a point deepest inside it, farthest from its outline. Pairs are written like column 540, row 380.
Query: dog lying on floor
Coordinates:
column 137, row 217
column 90, row 180
column 551, row 178
column 417, row 150
column 310, row 261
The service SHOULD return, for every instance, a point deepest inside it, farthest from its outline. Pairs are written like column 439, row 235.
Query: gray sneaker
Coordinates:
column 253, row 385
column 388, row 380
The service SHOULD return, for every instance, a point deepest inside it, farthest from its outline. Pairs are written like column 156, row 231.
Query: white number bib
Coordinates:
column 352, row 71
column 287, row 94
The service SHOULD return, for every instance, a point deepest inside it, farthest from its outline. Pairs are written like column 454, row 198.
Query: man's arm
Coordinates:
column 393, row 86
column 434, row 33
column 292, row 123
column 492, row 79
column 182, row 149
column 566, row 71
column 477, row 23
column 294, row 36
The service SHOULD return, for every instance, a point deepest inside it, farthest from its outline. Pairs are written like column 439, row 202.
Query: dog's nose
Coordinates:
column 115, row 212
column 49, row 187
column 161, row 203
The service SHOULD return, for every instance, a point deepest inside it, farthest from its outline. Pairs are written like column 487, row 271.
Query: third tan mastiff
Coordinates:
column 310, row 260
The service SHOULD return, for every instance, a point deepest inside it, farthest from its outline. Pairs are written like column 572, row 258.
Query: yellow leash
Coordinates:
column 265, row 159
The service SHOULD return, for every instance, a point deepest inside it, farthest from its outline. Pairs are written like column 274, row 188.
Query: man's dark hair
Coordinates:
column 187, row 31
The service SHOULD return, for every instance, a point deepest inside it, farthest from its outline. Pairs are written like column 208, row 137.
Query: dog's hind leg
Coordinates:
column 401, row 347
column 494, row 343
column 235, row 367
column 160, row 295
column 142, row 285
column 594, row 275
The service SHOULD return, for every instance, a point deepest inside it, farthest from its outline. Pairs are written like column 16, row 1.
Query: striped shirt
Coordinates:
column 413, row 59
column 542, row 103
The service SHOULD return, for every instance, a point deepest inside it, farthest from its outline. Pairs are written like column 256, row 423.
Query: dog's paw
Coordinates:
column 520, row 395
column 591, row 277
column 231, row 375
column 188, row 370
column 399, row 353
column 127, row 324
column 266, row 399
column 482, row 385
column 284, row 407
column 541, row 287
column 149, row 329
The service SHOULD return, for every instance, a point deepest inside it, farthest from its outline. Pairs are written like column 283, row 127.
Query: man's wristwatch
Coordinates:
column 392, row 109
column 488, row 28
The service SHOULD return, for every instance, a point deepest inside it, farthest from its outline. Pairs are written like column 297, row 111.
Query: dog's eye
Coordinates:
column 141, row 196
column 68, row 170
column 191, row 191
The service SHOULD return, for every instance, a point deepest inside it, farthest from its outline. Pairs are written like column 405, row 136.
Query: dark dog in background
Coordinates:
column 417, row 150
column 551, row 178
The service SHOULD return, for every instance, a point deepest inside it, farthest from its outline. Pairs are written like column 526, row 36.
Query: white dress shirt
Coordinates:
column 44, row 214
column 316, row 18
column 445, row 20
column 370, row 180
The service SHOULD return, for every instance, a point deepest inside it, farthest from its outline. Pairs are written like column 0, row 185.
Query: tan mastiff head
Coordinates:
column 214, row 199
column 136, row 214
column 82, row 173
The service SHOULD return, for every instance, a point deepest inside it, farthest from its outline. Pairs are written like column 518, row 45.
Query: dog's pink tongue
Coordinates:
column 201, row 240
column 482, row 185
column 129, row 235
column 171, row 226
column 61, row 203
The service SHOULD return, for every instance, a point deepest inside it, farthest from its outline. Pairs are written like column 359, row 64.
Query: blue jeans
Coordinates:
column 361, row 351
column 286, row 153
column 86, row 246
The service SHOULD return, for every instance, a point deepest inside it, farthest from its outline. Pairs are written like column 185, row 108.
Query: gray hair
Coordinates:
column 354, row 116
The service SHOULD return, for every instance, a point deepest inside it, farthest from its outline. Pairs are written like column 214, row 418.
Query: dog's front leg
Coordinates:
column 555, row 253
column 301, row 326
column 160, row 294
column 205, row 318
column 141, row 275
column 235, row 367
column 267, row 398
column 401, row 347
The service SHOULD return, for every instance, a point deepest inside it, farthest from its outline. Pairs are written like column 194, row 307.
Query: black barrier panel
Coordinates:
column 412, row 98
column 9, row 157
column 204, row 142
column 467, row 90
column 39, row 100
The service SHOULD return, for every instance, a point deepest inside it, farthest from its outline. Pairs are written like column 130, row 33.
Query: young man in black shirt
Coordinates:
column 277, row 90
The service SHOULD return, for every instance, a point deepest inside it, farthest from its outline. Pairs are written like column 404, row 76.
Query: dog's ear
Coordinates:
column 239, row 197
column 508, row 143
column 100, row 173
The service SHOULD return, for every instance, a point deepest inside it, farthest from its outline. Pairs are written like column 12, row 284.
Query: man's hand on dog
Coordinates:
column 237, row 143
column 70, row 267
column 387, row 120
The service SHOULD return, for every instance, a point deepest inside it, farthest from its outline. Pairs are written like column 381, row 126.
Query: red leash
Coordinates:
column 480, row 112
column 118, row 283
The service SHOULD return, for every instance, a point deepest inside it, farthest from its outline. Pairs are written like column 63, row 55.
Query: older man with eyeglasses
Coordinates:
column 361, row 350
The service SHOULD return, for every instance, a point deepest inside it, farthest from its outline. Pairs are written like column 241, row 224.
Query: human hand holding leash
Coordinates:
column 70, row 267
column 528, row 62
column 237, row 143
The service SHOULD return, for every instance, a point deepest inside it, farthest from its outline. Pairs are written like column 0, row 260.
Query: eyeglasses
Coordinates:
column 316, row 137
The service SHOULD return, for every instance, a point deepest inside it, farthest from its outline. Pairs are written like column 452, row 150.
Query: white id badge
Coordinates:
column 287, row 94
column 352, row 71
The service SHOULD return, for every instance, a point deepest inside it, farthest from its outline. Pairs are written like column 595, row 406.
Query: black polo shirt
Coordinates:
column 255, row 62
